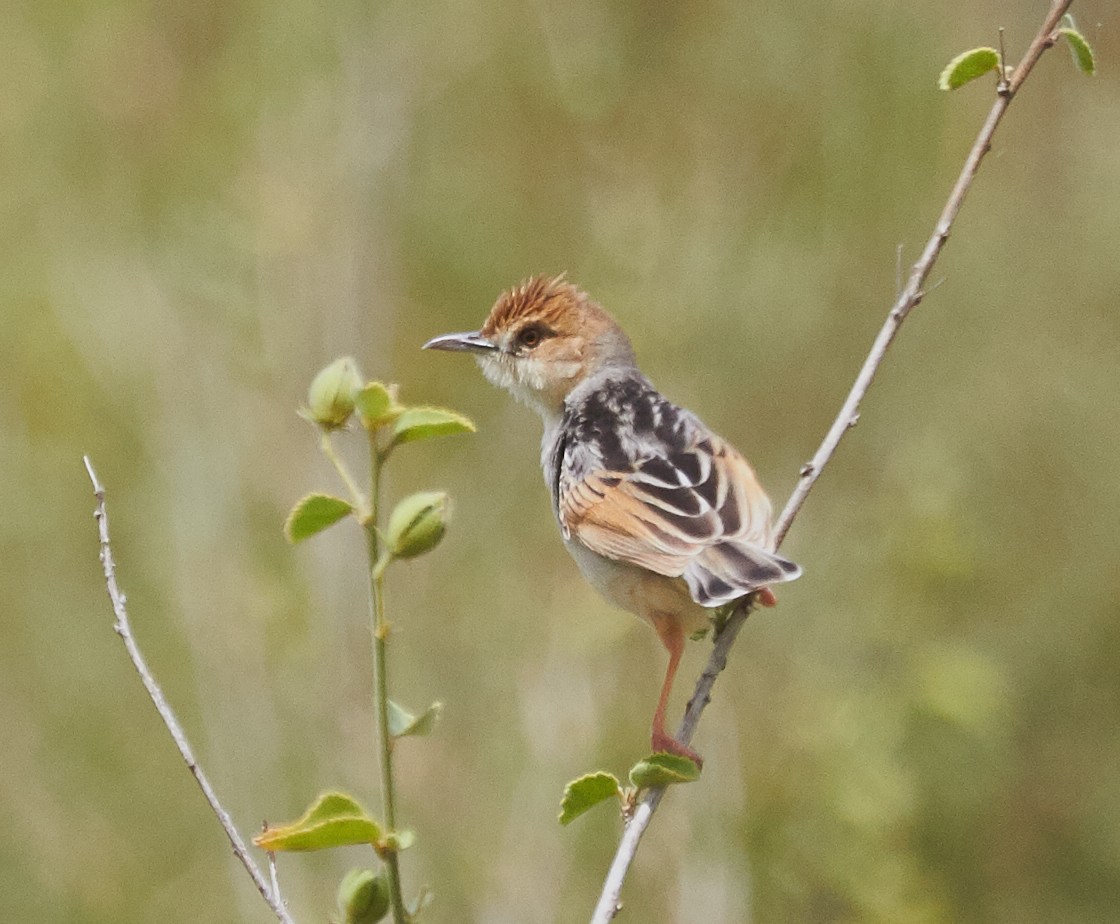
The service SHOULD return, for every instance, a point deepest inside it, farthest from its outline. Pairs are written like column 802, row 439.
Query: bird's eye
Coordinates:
column 529, row 337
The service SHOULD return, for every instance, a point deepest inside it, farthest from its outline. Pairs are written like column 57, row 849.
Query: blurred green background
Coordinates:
column 205, row 202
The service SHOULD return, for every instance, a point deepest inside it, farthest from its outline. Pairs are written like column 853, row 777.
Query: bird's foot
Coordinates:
column 662, row 741
column 766, row 597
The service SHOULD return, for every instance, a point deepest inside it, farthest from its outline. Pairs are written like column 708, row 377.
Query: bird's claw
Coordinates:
column 662, row 742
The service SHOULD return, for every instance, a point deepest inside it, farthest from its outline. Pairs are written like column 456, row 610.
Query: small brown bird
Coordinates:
column 664, row 518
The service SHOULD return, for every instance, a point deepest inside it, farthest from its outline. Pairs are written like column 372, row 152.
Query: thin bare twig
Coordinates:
column 124, row 630
column 908, row 299
column 274, row 878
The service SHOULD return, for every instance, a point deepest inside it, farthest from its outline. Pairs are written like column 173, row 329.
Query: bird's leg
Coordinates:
column 765, row 596
column 672, row 637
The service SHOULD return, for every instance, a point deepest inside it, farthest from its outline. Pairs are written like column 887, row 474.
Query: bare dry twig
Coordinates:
column 909, row 298
column 124, row 630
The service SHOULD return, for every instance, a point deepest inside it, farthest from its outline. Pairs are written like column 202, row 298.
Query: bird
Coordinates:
column 664, row 518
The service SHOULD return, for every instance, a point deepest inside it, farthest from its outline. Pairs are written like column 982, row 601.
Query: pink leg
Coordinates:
column 672, row 637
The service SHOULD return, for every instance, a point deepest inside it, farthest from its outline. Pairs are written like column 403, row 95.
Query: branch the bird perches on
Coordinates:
column 910, row 296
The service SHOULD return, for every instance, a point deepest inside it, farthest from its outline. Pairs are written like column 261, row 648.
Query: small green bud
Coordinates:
column 376, row 404
column 363, row 897
column 417, row 524
column 330, row 399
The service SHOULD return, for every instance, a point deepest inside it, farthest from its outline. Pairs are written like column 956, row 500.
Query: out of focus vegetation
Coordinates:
column 204, row 202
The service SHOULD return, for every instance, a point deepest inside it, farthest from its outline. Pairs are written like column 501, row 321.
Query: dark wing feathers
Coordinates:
column 642, row 481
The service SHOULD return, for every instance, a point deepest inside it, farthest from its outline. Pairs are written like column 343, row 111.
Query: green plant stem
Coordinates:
column 356, row 496
column 379, row 628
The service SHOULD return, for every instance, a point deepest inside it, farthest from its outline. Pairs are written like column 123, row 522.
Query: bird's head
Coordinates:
column 540, row 340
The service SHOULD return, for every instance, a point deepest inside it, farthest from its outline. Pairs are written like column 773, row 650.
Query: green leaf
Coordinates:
column 663, row 769
column 333, row 820
column 376, row 405
column 363, row 897
column 967, row 66
column 417, row 524
column 403, row 723
column 587, row 792
column 423, row 899
column 421, row 423
column 313, row 514
column 1081, row 50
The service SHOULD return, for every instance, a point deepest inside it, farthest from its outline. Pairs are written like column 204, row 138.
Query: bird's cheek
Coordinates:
column 495, row 371
column 566, row 373
column 532, row 375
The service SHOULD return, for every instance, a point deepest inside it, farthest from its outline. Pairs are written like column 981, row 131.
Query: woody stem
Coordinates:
column 910, row 296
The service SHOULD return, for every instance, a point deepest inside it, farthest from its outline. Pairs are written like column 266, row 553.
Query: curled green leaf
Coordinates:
column 333, row 820
column 420, row 423
column 376, row 404
column 330, row 399
column 417, row 524
column 586, row 792
column 363, row 897
column 403, row 723
column 967, row 66
column 663, row 769
column 423, row 900
column 314, row 513
column 1081, row 50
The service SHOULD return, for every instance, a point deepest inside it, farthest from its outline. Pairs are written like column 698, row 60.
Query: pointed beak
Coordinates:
column 470, row 342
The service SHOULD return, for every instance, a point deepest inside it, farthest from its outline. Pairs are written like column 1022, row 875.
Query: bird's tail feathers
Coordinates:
column 730, row 570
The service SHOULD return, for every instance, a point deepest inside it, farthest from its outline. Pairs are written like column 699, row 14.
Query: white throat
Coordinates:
column 526, row 379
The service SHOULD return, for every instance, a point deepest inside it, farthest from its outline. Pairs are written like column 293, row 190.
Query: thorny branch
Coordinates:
column 908, row 299
column 270, row 894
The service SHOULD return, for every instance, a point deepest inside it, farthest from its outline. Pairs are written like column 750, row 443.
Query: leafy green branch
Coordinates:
column 414, row 527
column 653, row 772
column 976, row 62
column 962, row 69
